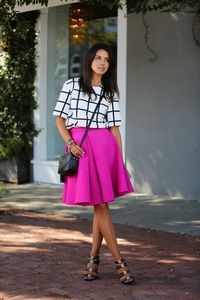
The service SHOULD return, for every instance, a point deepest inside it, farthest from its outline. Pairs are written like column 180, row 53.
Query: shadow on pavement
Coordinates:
column 169, row 214
column 43, row 256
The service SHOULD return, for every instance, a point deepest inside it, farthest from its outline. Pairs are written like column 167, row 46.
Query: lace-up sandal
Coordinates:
column 91, row 272
column 124, row 274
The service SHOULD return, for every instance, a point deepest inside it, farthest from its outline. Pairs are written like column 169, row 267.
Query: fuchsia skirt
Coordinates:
column 101, row 173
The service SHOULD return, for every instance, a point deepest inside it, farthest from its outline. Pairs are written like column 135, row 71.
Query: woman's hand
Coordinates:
column 76, row 150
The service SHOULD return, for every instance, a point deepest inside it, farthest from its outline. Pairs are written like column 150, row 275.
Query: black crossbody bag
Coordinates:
column 68, row 162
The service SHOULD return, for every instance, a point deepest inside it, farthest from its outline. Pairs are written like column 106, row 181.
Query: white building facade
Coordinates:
column 159, row 100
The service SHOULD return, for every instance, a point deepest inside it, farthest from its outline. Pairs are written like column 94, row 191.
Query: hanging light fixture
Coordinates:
column 78, row 26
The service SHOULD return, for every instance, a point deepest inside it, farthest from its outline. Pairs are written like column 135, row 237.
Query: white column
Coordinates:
column 122, row 67
column 40, row 115
column 43, row 170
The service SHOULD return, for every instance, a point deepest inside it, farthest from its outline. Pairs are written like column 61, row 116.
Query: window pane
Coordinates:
column 72, row 30
column 87, row 27
column 57, row 71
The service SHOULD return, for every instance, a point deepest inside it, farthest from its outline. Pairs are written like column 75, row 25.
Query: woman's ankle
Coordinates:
column 94, row 253
column 117, row 257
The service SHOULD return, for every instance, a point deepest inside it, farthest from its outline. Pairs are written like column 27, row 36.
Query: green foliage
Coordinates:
column 107, row 3
column 138, row 6
column 163, row 5
column 17, row 73
column 27, row 2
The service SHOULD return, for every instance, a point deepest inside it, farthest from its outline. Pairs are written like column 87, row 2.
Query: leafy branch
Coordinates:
column 17, row 73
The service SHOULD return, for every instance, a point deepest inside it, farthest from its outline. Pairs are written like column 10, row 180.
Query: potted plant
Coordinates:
column 17, row 74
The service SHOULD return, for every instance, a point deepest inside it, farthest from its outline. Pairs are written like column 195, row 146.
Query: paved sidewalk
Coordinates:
column 43, row 256
column 44, row 247
column 143, row 211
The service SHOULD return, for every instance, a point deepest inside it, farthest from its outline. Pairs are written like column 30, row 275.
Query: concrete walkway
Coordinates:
column 143, row 211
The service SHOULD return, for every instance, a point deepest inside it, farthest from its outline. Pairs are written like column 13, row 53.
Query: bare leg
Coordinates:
column 93, row 261
column 103, row 227
column 96, row 238
column 102, row 216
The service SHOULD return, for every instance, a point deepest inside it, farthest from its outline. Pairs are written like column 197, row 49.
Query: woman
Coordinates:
column 101, row 173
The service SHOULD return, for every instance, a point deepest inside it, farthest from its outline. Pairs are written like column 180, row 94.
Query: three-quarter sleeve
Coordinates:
column 113, row 113
column 63, row 103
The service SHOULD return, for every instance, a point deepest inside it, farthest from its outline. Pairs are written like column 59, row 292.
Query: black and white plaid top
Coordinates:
column 77, row 107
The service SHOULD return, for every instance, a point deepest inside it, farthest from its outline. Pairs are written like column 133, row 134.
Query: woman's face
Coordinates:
column 100, row 63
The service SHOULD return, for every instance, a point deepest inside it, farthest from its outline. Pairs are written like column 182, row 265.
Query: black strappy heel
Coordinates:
column 124, row 274
column 91, row 272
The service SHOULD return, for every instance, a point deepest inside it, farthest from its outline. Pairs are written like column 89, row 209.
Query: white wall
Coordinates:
column 163, row 107
column 43, row 170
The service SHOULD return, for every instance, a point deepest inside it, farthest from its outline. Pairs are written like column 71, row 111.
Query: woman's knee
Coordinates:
column 101, row 207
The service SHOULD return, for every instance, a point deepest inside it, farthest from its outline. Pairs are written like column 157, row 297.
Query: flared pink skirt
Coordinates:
column 101, row 176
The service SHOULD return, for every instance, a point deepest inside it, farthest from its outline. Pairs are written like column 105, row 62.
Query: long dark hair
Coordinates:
column 109, row 79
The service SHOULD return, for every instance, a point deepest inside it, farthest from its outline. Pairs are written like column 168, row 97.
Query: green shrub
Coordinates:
column 17, row 74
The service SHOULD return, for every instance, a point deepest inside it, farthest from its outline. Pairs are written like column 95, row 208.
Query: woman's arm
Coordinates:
column 60, row 124
column 115, row 131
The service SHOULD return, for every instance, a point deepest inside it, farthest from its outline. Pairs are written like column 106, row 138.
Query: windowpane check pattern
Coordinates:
column 77, row 107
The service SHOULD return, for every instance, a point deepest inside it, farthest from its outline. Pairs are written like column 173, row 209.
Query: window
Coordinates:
column 72, row 30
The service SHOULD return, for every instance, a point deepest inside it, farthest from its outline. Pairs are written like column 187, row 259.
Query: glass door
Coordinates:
column 72, row 30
